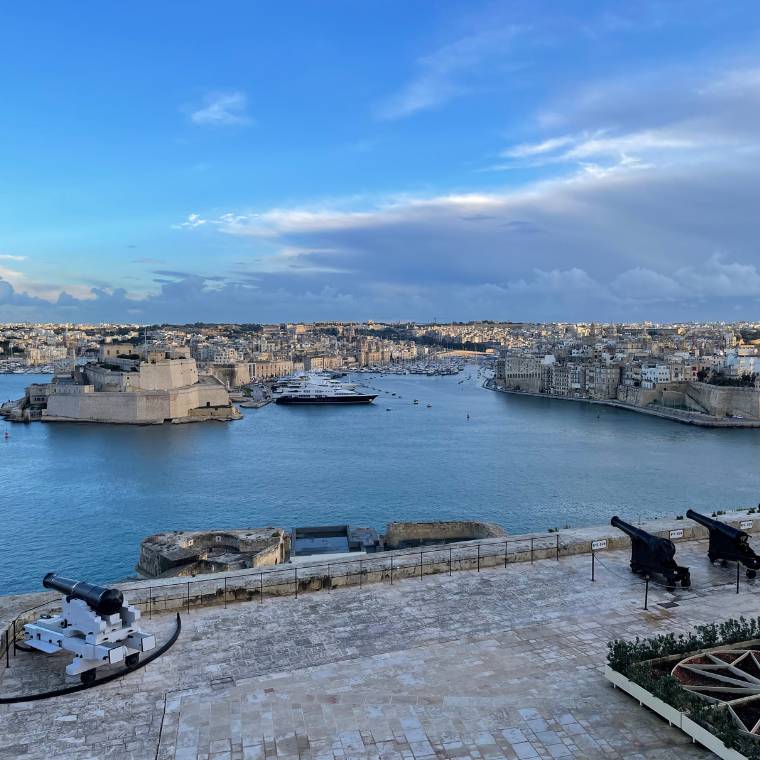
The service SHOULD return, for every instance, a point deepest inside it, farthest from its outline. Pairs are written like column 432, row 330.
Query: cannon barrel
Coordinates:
column 631, row 530
column 710, row 524
column 104, row 601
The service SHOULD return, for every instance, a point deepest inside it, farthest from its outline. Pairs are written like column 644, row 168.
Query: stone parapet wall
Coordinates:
column 405, row 533
column 385, row 567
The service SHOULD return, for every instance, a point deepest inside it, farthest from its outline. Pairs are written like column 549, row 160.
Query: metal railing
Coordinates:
column 292, row 579
column 383, row 567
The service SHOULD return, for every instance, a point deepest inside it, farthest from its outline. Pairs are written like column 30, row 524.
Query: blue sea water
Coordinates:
column 78, row 499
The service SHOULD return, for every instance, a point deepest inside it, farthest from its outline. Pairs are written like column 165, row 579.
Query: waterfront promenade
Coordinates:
column 505, row 663
column 675, row 415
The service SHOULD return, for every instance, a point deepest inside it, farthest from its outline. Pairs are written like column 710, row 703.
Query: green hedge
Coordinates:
column 631, row 659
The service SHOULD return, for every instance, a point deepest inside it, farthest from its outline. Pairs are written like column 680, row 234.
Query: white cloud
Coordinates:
column 11, row 257
column 449, row 72
column 550, row 145
column 223, row 109
column 192, row 221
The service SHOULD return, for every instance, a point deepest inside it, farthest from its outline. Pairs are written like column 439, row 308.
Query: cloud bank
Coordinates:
column 645, row 209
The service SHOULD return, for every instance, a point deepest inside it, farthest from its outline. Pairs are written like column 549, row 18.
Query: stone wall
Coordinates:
column 384, row 567
column 400, row 534
column 726, row 400
column 139, row 407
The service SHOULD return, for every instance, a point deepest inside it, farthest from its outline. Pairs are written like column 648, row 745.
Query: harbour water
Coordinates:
column 78, row 499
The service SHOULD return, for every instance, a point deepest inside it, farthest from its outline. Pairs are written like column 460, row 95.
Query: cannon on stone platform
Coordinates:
column 97, row 625
column 651, row 555
column 727, row 544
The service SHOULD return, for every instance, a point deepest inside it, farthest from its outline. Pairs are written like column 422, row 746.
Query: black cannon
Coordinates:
column 727, row 544
column 103, row 601
column 652, row 555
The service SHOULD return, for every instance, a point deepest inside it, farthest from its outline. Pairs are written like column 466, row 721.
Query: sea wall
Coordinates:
column 723, row 401
column 138, row 407
column 400, row 534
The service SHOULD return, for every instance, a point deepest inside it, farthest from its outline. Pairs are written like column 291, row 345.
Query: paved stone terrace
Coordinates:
column 506, row 663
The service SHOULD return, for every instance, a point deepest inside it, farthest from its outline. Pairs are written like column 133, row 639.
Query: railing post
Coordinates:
column 737, row 577
column 7, row 650
column 646, row 593
column 261, row 588
column 531, row 549
column 150, row 602
column 449, row 561
column 329, row 577
column 420, row 565
column 295, row 580
column 506, row 543
column 478, row 557
column 391, row 569
column 593, row 557
column 225, row 592
column 361, row 572
column 557, row 546
column 188, row 597
column 14, row 638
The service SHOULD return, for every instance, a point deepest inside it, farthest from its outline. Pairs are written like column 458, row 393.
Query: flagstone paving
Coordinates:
column 506, row 663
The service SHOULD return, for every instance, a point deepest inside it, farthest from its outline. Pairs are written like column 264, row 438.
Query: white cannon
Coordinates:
column 97, row 625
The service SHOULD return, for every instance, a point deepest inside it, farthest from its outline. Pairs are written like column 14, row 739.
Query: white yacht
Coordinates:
column 318, row 389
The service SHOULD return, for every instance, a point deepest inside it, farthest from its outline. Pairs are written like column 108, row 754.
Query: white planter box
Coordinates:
column 706, row 739
column 673, row 716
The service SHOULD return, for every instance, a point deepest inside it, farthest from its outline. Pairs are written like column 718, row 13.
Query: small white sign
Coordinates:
column 599, row 544
column 745, row 524
column 676, row 533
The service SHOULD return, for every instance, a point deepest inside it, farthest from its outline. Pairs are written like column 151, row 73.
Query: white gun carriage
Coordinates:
column 97, row 625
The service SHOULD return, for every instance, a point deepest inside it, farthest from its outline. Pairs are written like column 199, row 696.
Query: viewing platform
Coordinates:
column 502, row 663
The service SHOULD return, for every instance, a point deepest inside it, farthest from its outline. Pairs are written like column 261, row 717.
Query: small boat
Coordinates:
column 429, row 406
column 416, row 401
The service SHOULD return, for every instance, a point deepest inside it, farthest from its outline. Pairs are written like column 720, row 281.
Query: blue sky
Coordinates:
column 387, row 160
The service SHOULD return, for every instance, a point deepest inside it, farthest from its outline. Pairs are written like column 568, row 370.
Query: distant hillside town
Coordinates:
column 706, row 368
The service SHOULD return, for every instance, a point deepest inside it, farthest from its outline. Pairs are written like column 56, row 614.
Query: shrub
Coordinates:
column 632, row 659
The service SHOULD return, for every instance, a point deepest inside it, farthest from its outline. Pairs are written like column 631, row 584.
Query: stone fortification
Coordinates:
column 405, row 534
column 183, row 553
column 128, row 385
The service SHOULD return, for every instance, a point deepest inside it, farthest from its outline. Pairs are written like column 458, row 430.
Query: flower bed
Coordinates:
column 643, row 669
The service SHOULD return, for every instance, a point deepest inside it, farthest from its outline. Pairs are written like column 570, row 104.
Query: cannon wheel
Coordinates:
column 751, row 573
column 88, row 676
column 132, row 659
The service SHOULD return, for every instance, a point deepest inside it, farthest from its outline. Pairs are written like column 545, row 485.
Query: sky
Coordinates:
column 419, row 160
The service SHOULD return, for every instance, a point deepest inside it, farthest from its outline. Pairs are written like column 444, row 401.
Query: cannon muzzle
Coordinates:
column 104, row 601
column 631, row 530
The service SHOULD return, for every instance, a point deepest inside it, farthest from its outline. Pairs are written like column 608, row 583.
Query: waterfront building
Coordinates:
column 519, row 372
column 267, row 370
